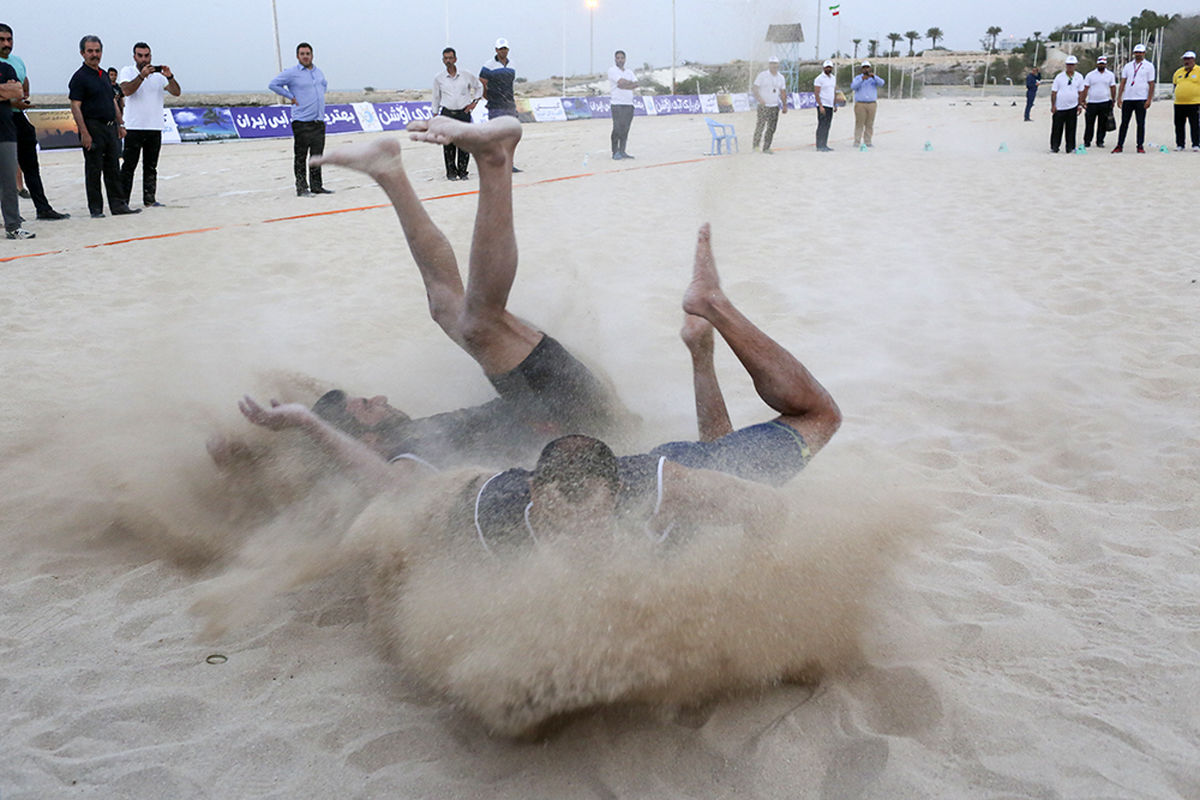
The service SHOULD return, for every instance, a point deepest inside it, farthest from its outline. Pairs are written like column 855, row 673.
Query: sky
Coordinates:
column 229, row 45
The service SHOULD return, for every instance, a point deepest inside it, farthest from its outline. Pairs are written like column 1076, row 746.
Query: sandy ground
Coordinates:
column 1010, row 335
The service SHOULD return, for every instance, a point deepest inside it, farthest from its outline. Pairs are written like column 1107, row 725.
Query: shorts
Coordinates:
column 771, row 452
column 553, row 390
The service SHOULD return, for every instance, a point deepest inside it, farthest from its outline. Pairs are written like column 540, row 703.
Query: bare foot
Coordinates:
column 489, row 141
column 697, row 334
column 376, row 157
column 705, row 288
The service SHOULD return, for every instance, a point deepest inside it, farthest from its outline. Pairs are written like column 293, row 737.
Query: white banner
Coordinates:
column 547, row 109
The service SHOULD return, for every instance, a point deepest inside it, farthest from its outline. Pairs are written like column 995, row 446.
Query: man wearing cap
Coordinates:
column 1187, row 101
column 825, row 92
column 622, row 83
column 770, row 90
column 1031, row 86
column 497, row 77
column 1101, row 90
column 866, row 91
column 1134, row 95
column 1066, row 102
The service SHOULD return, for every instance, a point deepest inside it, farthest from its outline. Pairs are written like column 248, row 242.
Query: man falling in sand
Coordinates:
column 578, row 484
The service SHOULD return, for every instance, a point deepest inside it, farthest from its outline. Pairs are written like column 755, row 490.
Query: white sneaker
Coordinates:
column 1196, row 149
column 19, row 233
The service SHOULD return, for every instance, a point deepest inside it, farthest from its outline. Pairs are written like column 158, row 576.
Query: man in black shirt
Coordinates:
column 10, row 89
column 101, row 128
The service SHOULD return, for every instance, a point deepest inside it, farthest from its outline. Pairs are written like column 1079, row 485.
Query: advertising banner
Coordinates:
column 55, row 128
column 204, row 124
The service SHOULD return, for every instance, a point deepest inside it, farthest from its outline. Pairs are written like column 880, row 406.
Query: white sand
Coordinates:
column 1025, row 373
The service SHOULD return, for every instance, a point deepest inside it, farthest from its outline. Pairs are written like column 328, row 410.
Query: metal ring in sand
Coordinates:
column 216, row 658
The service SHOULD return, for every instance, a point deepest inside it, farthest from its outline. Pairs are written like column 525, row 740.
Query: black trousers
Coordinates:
column 823, row 123
column 622, row 118
column 1065, row 120
column 764, row 125
column 27, row 160
column 456, row 158
column 102, row 159
column 1131, row 108
column 1030, row 97
column 137, row 143
column 1096, row 111
column 1187, row 115
column 308, row 139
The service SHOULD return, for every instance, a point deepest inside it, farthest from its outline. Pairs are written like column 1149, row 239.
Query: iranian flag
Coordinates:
column 835, row 9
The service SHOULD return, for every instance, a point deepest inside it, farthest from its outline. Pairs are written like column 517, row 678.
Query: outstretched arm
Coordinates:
column 712, row 417
column 351, row 454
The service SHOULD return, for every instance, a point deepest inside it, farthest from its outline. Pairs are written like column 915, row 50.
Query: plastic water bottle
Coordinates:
column 862, row 148
column 1080, row 150
column 928, row 146
column 585, row 159
column 1004, row 147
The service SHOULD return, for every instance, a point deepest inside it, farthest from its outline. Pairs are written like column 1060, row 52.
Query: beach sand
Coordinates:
column 1011, row 337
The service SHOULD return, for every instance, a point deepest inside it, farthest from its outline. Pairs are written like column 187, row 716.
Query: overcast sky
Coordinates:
column 229, row 44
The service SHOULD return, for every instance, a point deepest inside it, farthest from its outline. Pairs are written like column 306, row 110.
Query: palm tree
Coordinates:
column 993, row 32
column 1037, row 40
column 934, row 34
column 872, row 47
column 893, row 38
column 911, row 36
column 857, row 42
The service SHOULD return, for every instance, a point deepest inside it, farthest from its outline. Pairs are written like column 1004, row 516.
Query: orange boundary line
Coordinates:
column 172, row 234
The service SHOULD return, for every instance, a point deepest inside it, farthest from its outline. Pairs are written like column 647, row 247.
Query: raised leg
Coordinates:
column 780, row 379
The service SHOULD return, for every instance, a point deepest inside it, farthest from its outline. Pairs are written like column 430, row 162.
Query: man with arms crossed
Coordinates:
column 304, row 87
column 578, row 484
column 770, row 90
column 1134, row 96
column 143, row 85
column 622, row 83
column 1101, row 87
column 27, row 155
column 455, row 95
column 10, row 206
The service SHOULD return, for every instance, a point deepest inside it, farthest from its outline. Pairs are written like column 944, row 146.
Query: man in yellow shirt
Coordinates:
column 1187, row 101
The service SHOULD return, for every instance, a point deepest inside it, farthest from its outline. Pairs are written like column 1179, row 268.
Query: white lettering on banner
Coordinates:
column 398, row 113
column 336, row 115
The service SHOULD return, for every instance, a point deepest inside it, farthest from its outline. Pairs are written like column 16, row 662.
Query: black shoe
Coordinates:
column 451, row 177
column 154, row 204
column 768, row 151
column 517, row 169
column 322, row 190
column 23, row 193
column 625, row 155
column 97, row 215
column 464, row 176
column 617, row 156
column 303, row 193
column 120, row 210
column 1053, row 149
column 52, row 215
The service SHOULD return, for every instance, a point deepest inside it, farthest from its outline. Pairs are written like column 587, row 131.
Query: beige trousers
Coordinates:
column 864, row 122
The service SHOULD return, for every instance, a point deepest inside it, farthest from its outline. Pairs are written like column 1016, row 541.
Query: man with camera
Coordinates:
column 143, row 85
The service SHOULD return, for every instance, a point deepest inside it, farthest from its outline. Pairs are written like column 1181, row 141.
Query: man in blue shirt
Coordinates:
column 866, row 91
column 497, row 78
column 1031, row 84
column 304, row 87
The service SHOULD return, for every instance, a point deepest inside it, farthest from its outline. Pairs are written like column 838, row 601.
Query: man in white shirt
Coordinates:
column 143, row 85
column 770, row 90
column 1134, row 96
column 1066, row 103
column 455, row 94
column 1101, row 86
column 825, row 91
column 623, row 82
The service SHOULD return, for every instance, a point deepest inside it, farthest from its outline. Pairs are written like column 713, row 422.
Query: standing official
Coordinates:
column 27, row 154
column 1187, row 101
column 866, row 94
column 623, row 82
column 825, row 91
column 144, row 85
column 1031, row 86
column 1101, row 87
column 1134, row 96
column 304, row 86
column 455, row 94
column 770, row 90
column 1066, row 103
column 10, row 206
column 101, row 129
column 497, row 77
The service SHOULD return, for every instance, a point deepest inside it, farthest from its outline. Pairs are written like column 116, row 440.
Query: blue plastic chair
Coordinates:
column 722, row 134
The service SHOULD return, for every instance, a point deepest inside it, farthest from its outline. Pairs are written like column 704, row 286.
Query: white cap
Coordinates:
column 865, row 64
column 827, row 64
column 1102, row 60
column 773, row 60
column 501, row 43
column 1072, row 60
column 1139, row 48
column 1190, row 54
